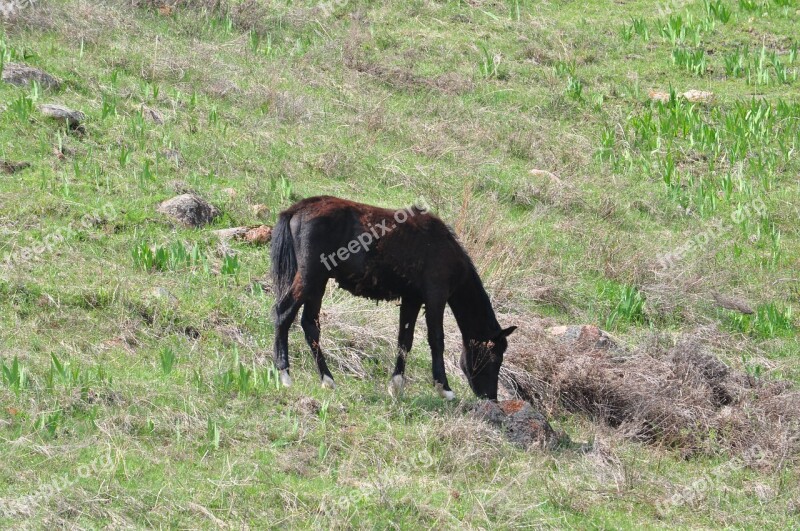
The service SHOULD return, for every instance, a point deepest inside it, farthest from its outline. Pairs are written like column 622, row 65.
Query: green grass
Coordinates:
column 137, row 387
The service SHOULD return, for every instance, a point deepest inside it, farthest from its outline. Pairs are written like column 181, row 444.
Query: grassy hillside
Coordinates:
column 553, row 136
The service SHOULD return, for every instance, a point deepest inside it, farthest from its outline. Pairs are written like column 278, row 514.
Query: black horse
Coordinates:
column 383, row 254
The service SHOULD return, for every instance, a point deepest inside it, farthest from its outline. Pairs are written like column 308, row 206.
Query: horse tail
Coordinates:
column 282, row 256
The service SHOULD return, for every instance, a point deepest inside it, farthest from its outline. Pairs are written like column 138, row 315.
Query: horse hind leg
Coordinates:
column 285, row 312
column 311, row 329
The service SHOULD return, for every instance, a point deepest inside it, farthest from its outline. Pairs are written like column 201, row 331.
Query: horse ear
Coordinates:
column 507, row 331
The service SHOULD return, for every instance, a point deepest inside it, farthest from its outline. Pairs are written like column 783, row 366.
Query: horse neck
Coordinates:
column 473, row 310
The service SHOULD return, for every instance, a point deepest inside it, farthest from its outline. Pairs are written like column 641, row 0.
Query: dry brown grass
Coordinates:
column 88, row 22
column 396, row 77
column 674, row 393
column 488, row 242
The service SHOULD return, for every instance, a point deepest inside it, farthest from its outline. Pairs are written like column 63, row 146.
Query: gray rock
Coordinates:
column 63, row 114
column 258, row 235
column 153, row 115
column 260, row 211
column 489, row 411
column 732, row 303
column 232, row 233
column 189, row 209
column 22, row 76
column 520, row 423
column 11, row 168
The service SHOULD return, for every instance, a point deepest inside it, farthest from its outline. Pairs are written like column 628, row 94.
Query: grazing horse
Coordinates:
column 384, row 254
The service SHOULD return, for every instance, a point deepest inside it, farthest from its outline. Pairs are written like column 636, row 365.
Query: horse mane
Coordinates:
column 480, row 297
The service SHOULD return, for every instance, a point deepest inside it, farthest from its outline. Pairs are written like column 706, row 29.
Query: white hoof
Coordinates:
column 396, row 386
column 286, row 380
column 447, row 395
column 327, row 382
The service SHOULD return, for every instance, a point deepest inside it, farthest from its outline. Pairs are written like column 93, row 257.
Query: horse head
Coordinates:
column 481, row 362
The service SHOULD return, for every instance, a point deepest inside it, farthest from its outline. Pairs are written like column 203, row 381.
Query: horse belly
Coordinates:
column 372, row 282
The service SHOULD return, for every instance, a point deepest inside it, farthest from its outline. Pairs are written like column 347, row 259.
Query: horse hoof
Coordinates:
column 444, row 393
column 327, row 382
column 396, row 386
column 286, row 380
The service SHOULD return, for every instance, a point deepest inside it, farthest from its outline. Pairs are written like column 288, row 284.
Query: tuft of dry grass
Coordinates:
column 488, row 243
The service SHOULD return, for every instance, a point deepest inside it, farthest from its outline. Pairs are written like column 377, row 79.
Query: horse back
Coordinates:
column 374, row 252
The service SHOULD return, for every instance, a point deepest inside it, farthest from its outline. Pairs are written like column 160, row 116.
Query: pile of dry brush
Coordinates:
column 665, row 392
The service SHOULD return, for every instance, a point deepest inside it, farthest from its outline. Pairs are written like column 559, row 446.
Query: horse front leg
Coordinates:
column 409, row 310
column 434, row 318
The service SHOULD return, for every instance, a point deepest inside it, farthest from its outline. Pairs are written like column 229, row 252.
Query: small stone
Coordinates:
column 63, row 114
column 731, row 303
column 259, row 235
column 657, row 95
column 260, row 211
column 153, row 115
column 11, row 168
column 22, row 76
column 189, row 209
column 698, row 96
column 232, row 233
column 230, row 192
